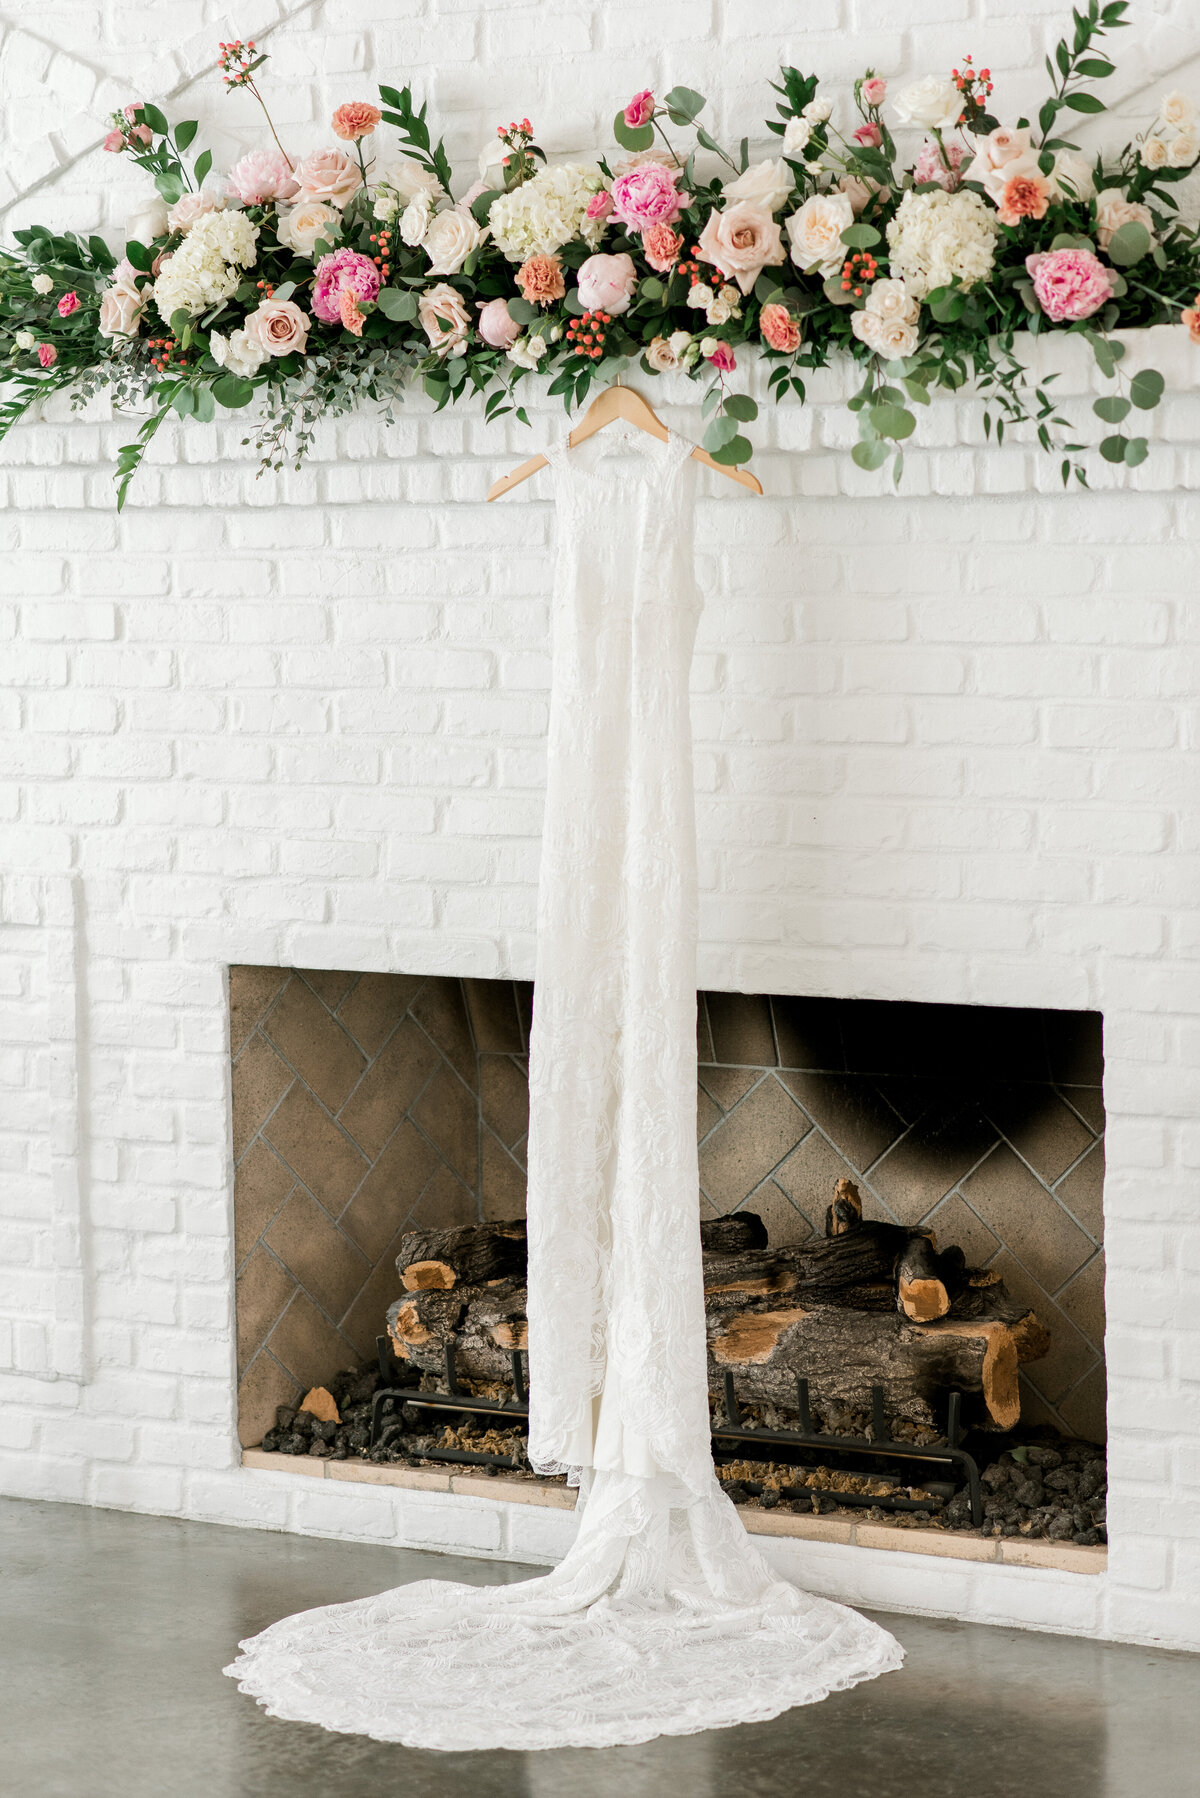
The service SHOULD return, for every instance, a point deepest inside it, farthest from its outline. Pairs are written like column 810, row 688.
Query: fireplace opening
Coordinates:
column 909, row 1194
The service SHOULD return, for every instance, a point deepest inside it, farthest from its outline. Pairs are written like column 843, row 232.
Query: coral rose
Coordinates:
column 342, row 269
column 357, row 118
column 607, row 283
column 1020, row 191
column 661, row 246
column 328, row 175
column 1070, row 284
column 497, row 327
column 540, row 279
column 442, row 315
column 278, row 327
column 780, row 330
column 648, row 195
column 741, row 242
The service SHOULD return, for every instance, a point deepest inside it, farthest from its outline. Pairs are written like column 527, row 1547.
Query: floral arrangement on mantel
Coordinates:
column 314, row 283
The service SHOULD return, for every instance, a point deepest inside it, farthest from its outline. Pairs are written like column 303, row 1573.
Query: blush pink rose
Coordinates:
column 141, row 134
column 328, row 175
column 741, row 242
column 607, row 283
column 496, row 326
column 661, row 246
column 68, row 304
column 278, row 327
column 723, row 359
column 47, row 355
column 874, row 91
column 357, row 118
column 260, row 176
column 600, row 205
column 342, row 269
column 779, row 328
column 1070, row 284
column 640, row 110
column 648, row 195
column 869, row 134
column 114, row 141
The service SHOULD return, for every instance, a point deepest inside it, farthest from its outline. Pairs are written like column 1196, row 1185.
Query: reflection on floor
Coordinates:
column 114, row 1629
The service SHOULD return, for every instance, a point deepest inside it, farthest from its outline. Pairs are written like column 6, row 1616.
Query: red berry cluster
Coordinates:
column 975, row 86
column 235, row 62
column 699, row 271
column 165, row 348
column 858, row 271
column 587, row 337
column 266, row 288
column 516, row 138
column 384, row 240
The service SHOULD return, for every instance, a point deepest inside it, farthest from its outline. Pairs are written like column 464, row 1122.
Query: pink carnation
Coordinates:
column 1070, row 284
column 930, row 167
column 342, row 269
column 47, row 354
column 68, row 304
column 640, row 110
column 723, row 359
column 260, row 176
column 779, row 328
column 647, row 195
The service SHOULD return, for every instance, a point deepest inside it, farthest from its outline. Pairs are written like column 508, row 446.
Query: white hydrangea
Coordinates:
column 937, row 238
column 543, row 214
column 205, row 268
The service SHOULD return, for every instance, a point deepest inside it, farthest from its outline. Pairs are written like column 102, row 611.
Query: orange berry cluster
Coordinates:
column 858, row 271
column 165, row 348
column 234, row 59
column 266, row 288
column 973, row 86
column 384, row 240
column 699, row 272
column 587, row 337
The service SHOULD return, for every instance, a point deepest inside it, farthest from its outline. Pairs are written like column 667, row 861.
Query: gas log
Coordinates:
column 872, row 1304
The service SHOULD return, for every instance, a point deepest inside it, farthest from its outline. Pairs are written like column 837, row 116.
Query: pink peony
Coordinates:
column 648, row 195
column 1070, row 284
column 114, row 141
column 929, row 165
column 607, row 283
column 661, row 246
column 723, row 358
column 260, row 176
column 600, row 205
column 496, row 326
column 640, row 110
column 869, row 134
column 779, row 328
column 873, row 91
column 357, row 118
column 342, row 269
column 47, row 354
column 68, row 304
column 741, row 242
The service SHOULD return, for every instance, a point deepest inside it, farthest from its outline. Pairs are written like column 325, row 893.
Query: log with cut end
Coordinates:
column 485, row 1324
column 439, row 1260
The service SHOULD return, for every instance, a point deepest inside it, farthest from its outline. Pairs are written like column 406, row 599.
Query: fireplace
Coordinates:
column 374, row 1112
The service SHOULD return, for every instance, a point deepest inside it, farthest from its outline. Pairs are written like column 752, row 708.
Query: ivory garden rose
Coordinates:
column 740, row 242
column 278, row 328
column 815, row 232
column 443, row 317
column 328, row 175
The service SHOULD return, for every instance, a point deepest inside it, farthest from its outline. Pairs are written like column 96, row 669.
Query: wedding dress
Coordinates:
column 662, row 1618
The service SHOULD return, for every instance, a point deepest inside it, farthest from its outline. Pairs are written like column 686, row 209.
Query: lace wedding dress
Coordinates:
column 663, row 1618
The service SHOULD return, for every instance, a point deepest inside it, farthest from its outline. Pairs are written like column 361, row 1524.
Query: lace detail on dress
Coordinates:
column 663, row 1618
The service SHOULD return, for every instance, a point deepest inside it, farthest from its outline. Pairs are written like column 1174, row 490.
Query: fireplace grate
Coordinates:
column 949, row 1456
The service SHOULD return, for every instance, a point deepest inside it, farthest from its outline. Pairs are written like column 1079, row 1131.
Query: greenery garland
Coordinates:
column 314, row 285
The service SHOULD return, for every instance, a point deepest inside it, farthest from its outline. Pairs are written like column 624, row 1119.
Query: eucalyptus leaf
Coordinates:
column 630, row 137
column 1136, row 450
column 1146, row 389
column 721, row 431
column 740, row 405
column 1129, row 244
column 1112, row 408
column 397, row 305
column 231, row 391
column 892, row 421
column 737, row 450
column 872, row 452
column 522, row 312
column 1113, row 449
column 861, row 237
column 684, row 104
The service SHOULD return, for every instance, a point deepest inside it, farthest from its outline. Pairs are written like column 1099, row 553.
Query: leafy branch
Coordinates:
column 410, row 123
column 1073, row 62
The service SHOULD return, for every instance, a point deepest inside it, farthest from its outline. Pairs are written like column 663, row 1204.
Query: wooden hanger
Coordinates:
column 613, row 403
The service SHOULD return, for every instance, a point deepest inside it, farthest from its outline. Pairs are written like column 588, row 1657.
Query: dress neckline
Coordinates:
column 620, row 435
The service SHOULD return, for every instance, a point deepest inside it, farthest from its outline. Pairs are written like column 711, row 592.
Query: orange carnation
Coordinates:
column 352, row 314
column 357, row 118
column 1191, row 318
column 540, row 279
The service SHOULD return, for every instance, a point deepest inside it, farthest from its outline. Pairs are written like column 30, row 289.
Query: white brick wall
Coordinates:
column 946, row 749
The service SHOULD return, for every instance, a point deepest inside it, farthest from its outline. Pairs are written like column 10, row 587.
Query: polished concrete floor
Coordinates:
column 114, row 1630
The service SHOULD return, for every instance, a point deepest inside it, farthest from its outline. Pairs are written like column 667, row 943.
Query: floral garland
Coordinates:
column 316, row 283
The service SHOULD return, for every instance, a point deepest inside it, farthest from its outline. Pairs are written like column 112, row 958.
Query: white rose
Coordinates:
column 1003, row 145
column 42, row 283
column 890, row 300
column 1154, row 153
column 415, row 219
column 147, row 223
column 1177, row 110
column 725, row 306
column 121, row 308
column 190, row 207
column 888, row 337
column 931, row 103
column 815, row 232
column 1183, row 150
column 301, row 227
column 818, row 111
column 661, row 356
column 1073, row 167
column 450, row 239
column 679, row 341
column 1113, row 210
column 407, row 177
column 238, row 353
column 707, row 345
column 527, row 352
column 767, row 184
column 24, row 340
column 701, row 297
column 796, row 136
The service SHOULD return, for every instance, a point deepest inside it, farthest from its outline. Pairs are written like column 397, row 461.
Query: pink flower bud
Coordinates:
column 68, row 304
column 869, row 134
column 640, row 110
column 723, row 359
column 47, row 354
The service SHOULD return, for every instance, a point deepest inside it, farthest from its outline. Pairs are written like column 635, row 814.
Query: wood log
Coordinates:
column 731, row 1235
column 484, row 1324
column 438, row 1260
